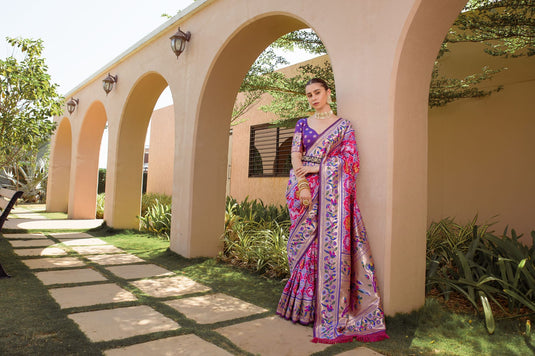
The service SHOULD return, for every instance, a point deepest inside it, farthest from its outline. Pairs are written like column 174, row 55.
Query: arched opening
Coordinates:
column 404, row 260
column 83, row 201
column 136, row 115
column 60, row 169
column 194, row 237
column 480, row 159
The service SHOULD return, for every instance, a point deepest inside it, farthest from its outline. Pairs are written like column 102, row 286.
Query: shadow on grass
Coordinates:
column 32, row 323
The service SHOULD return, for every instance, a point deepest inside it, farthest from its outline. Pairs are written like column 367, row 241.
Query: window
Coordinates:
column 269, row 151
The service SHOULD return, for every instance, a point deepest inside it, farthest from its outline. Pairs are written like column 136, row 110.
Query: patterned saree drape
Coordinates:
column 332, row 279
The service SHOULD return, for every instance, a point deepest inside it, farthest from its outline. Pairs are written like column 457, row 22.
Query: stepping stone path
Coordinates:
column 102, row 289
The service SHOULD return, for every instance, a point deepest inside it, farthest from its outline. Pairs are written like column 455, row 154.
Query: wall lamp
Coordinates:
column 178, row 41
column 107, row 83
column 72, row 104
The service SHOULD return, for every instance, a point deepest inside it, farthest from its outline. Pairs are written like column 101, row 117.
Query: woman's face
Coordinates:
column 317, row 96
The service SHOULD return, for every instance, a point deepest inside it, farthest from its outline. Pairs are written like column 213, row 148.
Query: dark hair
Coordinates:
column 319, row 81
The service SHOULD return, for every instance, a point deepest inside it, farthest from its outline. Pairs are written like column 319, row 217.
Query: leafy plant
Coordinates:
column 150, row 199
column 485, row 268
column 157, row 219
column 29, row 177
column 256, row 236
column 100, row 205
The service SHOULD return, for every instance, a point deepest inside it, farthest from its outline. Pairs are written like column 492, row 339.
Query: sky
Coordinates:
column 81, row 37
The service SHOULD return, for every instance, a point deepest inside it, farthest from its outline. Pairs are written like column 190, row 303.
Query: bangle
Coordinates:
column 303, row 185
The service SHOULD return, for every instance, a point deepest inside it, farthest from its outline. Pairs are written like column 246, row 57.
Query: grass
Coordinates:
column 32, row 323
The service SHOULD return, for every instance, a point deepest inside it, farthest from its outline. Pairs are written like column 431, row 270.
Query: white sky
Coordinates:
column 81, row 37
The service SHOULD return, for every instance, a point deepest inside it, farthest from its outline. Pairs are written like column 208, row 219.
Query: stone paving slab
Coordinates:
column 95, row 250
column 170, row 286
column 208, row 309
column 190, row 345
column 138, row 271
column 90, row 295
column 52, row 262
column 119, row 259
column 272, row 336
column 71, row 235
column 120, row 323
column 31, row 243
column 47, row 251
column 83, row 242
column 69, row 276
column 24, row 236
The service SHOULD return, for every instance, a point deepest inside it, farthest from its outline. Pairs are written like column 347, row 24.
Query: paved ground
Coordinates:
column 265, row 335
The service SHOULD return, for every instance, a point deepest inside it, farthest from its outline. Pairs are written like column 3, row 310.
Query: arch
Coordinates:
column 283, row 159
column 125, row 202
column 83, row 200
column 194, row 237
column 60, row 168
column 404, row 261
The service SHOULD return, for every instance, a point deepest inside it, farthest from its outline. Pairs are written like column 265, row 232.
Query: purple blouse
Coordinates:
column 304, row 136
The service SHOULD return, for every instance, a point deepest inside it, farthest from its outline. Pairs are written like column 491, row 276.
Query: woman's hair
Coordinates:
column 318, row 80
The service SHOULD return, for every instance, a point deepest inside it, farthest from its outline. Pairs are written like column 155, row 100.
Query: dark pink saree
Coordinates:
column 332, row 282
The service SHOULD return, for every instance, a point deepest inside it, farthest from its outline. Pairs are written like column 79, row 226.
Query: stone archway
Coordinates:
column 60, row 168
column 125, row 201
column 82, row 203
column 417, row 49
column 211, row 134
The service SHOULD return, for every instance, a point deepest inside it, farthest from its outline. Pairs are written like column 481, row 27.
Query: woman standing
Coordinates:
column 332, row 282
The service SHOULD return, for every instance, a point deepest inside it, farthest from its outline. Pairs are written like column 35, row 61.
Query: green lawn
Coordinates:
column 33, row 324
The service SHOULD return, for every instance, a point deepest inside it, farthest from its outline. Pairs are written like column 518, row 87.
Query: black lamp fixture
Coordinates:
column 72, row 104
column 178, row 41
column 108, row 82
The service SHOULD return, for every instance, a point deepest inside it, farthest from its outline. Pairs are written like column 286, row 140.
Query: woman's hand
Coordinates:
column 305, row 197
column 302, row 171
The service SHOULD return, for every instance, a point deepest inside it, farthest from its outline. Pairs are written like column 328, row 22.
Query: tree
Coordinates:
column 506, row 27
column 28, row 100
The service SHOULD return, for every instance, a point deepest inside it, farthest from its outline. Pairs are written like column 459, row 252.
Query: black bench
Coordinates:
column 8, row 198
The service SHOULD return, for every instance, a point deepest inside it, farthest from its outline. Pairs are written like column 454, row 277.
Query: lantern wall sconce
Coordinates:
column 72, row 104
column 107, row 83
column 178, row 41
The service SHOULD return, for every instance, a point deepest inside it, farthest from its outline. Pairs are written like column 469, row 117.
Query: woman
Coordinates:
column 332, row 282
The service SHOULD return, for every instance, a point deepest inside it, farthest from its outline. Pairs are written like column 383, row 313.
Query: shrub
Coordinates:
column 100, row 206
column 151, row 199
column 101, row 188
column 485, row 268
column 157, row 219
column 256, row 236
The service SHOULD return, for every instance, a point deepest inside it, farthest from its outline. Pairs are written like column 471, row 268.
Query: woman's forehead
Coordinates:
column 313, row 87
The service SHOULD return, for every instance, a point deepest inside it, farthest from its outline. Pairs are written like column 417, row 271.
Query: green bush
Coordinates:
column 483, row 267
column 151, row 199
column 101, row 188
column 256, row 236
column 100, row 206
column 157, row 219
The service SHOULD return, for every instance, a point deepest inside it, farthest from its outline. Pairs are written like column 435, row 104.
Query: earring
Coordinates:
column 309, row 107
column 329, row 99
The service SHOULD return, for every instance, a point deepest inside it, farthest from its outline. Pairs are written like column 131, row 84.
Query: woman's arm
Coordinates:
column 300, row 170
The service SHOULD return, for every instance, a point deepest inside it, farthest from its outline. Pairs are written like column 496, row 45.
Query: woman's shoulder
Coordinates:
column 301, row 122
column 344, row 122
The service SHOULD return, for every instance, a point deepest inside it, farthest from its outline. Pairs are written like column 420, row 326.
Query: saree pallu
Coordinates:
column 332, row 280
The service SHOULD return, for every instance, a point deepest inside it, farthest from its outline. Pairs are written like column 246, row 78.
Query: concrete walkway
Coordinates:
column 122, row 277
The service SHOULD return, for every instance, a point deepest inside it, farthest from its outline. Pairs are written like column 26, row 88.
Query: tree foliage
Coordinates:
column 28, row 100
column 505, row 27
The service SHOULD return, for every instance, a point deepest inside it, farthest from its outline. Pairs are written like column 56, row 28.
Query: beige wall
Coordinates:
column 161, row 151
column 481, row 156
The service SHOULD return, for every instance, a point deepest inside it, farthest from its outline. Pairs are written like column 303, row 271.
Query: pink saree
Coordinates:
column 332, row 282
